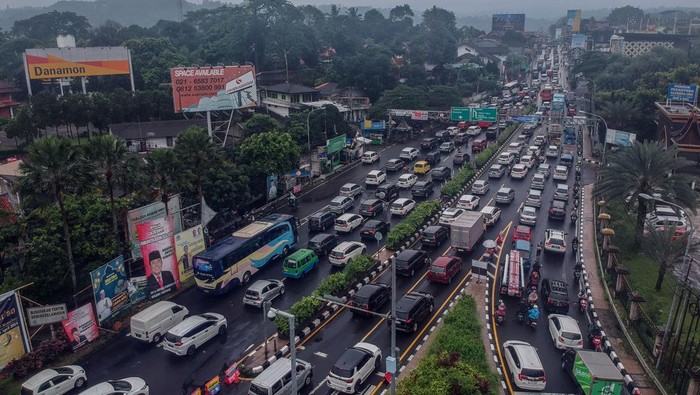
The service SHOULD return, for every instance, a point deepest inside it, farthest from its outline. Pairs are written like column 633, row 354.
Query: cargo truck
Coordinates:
column 467, row 230
column 594, row 372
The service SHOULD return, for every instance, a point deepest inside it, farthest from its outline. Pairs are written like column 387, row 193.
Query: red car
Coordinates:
column 443, row 269
column 522, row 232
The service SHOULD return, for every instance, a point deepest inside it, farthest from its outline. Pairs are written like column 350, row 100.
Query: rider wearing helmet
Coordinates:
column 534, row 313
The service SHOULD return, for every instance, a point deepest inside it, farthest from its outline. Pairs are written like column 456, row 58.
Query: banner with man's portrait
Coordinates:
column 110, row 287
column 157, row 247
column 187, row 244
column 81, row 327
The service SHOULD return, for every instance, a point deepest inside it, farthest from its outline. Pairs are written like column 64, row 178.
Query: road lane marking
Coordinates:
column 321, row 354
column 500, row 361
column 316, row 388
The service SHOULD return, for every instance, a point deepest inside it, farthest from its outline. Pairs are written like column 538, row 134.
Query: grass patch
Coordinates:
column 9, row 386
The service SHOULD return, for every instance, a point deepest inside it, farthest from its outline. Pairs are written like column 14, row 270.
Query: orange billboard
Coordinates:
column 48, row 63
column 198, row 89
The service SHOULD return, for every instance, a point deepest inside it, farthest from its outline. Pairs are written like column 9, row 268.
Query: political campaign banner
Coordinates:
column 150, row 212
column 197, row 89
column 81, row 327
column 188, row 243
column 272, row 181
column 110, row 288
column 71, row 62
column 157, row 247
column 14, row 337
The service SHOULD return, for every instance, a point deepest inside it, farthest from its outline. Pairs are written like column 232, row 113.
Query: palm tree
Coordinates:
column 197, row 153
column 55, row 168
column 646, row 168
column 662, row 246
column 163, row 167
column 619, row 113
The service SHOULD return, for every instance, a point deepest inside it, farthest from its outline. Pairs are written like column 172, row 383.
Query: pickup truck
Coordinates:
column 594, row 372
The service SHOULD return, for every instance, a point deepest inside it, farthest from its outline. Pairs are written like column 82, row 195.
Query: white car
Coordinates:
column 375, row 177
column 525, row 365
column 544, row 169
column 468, row 202
column 519, row 171
column 370, row 157
column 561, row 173
column 473, row 131
column 565, row 332
column 409, row 153
column 516, row 147
column 406, row 180
column 345, row 252
column 402, row 206
column 347, row 222
column 533, row 151
column 354, row 367
column 491, row 214
column 528, row 161
column 506, row 158
column 528, row 216
column 125, row 386
column 480, row 187
column 449, row 215
column 195, row 330
column 55, row 381
column 552, row 152
column 555, row 241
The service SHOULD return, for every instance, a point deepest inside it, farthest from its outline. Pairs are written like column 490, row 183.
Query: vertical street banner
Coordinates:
column 110, row 287
column 81, row 327
column 272, row 181
column 150, row 212
column 157, row 247
column 14, row 338
column 188, row 243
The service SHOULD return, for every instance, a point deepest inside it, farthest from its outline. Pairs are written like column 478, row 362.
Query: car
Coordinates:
column 323, row 243
column 406, row 180
column 461, row 138
column 555, row 241
column 506, row 158
column 387, row 192
column 460, row 158
column 351, row 190
column 421, row 167
column 370, row 157
column 449, row 215
column 538, row 182
column 557, row 209
column 422, row 188
column 473, row 131
column 125, row 386
column 443, row 135
column 375, row 177
column 516, row 147
column 502, row 123
column 560, row 173
column 491, row 215
column 409, row 154
column 540, row 140
column 263, row 291
column 429, row 143
column 528, row 160
column 534, row 198
column 432, row 158
column 394, row 165
column 435, row 235
column 479, row 145
column 340, row 204
column 347, row 223
column 561, row 192
column 413, row 308
column 453, row 130
column 374, row 227
column 468, row 202
column 321, row 220
column 534, row 152
column 518, row 171
column 525, row 366
column 193, row 332
column 410, row 260
column 444, row 269
column 402, row 206
column 447, row 147
column 345, row 252
column 371, row 207
column 528, row 216
column 480, row 187
column 497, row 170
column 55, row 381
column 505, row 195
column 492, row 132
column 354, row 367
column 565, row 332
column 441, row 173
column 370, row 298
column 544, row 169
column 555, row 296
column 522, row 232
column 552, row 152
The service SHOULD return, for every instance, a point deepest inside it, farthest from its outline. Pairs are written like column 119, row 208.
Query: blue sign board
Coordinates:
column 578, row 41
column 679, row 92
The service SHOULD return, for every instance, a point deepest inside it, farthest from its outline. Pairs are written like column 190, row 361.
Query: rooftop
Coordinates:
column 289, row 87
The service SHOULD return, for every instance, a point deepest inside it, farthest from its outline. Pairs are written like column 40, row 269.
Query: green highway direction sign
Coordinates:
column 473, row 114
column 460, row 114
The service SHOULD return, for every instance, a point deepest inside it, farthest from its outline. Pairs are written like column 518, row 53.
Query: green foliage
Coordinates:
column 270, row 153
column 303, row 310
column 45, row 27
column 452, row 187
column 358, row 267
column 333, row 284
column 259, row 123
column 410, row 225
column 485, row 155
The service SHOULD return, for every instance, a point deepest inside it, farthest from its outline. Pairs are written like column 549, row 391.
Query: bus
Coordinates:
column 234, row 259
column 511, row 88
column 546, row 93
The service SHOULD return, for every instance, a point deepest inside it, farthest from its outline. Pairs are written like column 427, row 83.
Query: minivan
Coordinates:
column 525, row 366
column 435, row 235
column 408, row 261
column 299, row 263
column 443, row 269
column 497, row 171
column 421, row 167
column 560, row 173
column 277, row 378
column 432, row 158
column 505, row 195
column 151, row 324
column 321, row 221
column 323, row 243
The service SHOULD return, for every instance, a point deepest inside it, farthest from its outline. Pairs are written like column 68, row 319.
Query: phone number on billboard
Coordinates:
column 202, row 88
column 200, row 81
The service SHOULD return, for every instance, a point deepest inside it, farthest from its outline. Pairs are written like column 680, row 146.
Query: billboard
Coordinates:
column 188, row 243
column 110, row 287
column 573, row 21
column 70, row 62
column 618, row 137
column 14, row 339
column 198, row 89
column 578, row 41
column 150, row 212
column 157, row 247
column 43, row 315
column 508, row 22
column 680, row 92
column 80, row 326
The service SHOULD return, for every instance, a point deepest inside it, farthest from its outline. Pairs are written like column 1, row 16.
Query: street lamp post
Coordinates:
column 272, row 314
column 664, row 341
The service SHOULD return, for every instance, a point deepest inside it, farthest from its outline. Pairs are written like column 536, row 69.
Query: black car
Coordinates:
column 395, row 165
column 408, row 261
column 557, row 209
column 432, row 157
column 371, row 298
column 429, row 143
column 422, row 188
column 555, row 296
column 371, row 207
column 323, row 243
column 441, row 173
column 443, row 135
column 372, row 227
column 321, row 221
column 435, row 235
column 387, row 192
column 413, row 308
column 492, row 132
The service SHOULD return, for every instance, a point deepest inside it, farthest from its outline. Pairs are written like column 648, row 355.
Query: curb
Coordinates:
column 489, row 331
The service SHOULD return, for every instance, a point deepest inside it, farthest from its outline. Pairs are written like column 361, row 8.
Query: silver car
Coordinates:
column 263, row 291
column 340, row 204
column 528, row 216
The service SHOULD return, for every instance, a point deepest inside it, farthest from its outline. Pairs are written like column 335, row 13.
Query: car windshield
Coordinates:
column 337, row 254
column 340, row 372
column 556, row 241
column 532, row 372
column 571, row 336
column 257, row 390
column 437, row 269
column 172, row 338
column 121, row 385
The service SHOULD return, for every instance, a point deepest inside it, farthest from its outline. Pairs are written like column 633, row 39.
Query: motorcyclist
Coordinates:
column 501, row 308
column 523, row 307
column 534, row 313
column 536, row 266
column 292, row 200
column 532, row 296
column 574, row 243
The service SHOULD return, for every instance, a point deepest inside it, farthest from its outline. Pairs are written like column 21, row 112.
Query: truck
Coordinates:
column 554, row 134
column 594, row 372
column 467, row 230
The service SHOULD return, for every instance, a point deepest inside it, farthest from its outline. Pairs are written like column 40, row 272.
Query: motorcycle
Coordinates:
column 534, row 279
column 532, row 296
column 596, row 338
column 521, row 316
column 574, row 245
column 500, row 314
column 293, row 202
column 532, row 315
column 582, row 303
column 574, row 217
column 577, row 273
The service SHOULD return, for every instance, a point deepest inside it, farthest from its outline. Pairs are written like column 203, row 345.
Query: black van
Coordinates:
column 408, row 261
column 321, row 221
column 370, row 298
column 323, row 243
column 435, row 235
column 387, row 192
column 432, row 157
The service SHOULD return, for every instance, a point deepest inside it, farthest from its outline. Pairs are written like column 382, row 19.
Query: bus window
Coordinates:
column 202, row 265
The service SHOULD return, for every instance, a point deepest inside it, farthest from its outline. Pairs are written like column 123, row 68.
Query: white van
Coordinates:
column 151, row 325
column 277, row 378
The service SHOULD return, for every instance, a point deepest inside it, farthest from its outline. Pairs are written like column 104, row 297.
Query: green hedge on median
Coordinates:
column 452, row 187
column 411, row 224
column 456, row 362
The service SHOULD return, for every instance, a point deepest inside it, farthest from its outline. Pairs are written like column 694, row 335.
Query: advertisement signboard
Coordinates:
column 109, row 286
column 81, row 327
column 508, row 22
column 188, row 243
column 680, row 92
column 13, row 332
column 573, row 21
column 419, row 115
column 43, row 315
column 335, row 144
column 157, row 246
column 578, row 41
column 198, row 89
column 150, row 212
column 618, row 137
column 70, row 62
column 271, row 187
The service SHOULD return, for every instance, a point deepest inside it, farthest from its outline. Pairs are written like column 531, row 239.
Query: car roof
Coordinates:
column 322, row 236
column 489, row 209
column 373, row 222
column 187, row 324
column 443, row 260
column 370, row 201
column 345, row 244
column 409, row 149
column 407, row 301
column 369, row 289
column 422, row 162
column 433, row 228
column 401, row 200
column 407, row 253
column 530, row 208
column 340, row 198
column 505, row 189
column 349, row 185
column 480, row 182
column 519, row 166
column 524, row 228
column 44, row 375
column 568, row 324
column 258, row 285
column 556, row 232
column 373, row 172
column 347, row 216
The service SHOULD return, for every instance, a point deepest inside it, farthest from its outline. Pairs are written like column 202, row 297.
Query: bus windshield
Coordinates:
column 203, row 265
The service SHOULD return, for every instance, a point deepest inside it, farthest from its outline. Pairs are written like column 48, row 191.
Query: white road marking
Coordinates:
column 249, row 347
column 316, row 388
column 321, row 354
